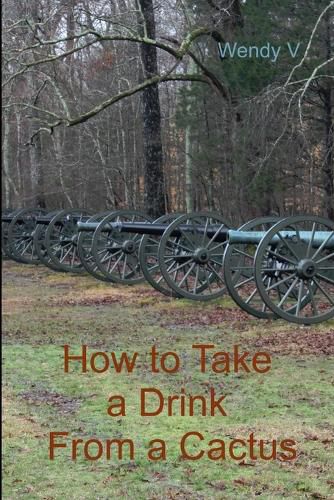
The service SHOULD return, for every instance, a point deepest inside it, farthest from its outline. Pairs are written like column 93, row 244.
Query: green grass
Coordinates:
column 44, row 310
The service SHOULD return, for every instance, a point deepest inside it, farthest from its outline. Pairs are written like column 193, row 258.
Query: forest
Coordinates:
column 169, row 106
column 168, row 249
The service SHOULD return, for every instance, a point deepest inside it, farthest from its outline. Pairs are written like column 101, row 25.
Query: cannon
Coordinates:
column 32, row 236
column 85, row 249
column 56, row 240
column 7, row 215
column 39, row 240
column 304, row 263
column 116, row 254
column 283, row 270
column 18, row 234
column 271, row 268
column 148, row 258
column 282, row 263
column 148, row 254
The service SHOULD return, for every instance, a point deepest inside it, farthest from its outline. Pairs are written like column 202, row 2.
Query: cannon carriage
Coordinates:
column 271, row 268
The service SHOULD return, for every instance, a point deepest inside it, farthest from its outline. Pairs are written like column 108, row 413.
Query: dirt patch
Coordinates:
column 195, row 317
column 62, row 403
column 115, row 295
column 22, row 274
column 298, row 342
column 13, row 303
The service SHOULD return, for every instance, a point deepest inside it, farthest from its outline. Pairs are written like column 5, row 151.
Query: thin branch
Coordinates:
column 70, row 122
column 331, row 4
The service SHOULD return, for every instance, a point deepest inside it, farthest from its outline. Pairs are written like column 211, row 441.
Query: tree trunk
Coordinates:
column 328, row 168
column 188, row 148
column 154, row 192
column 38, row 198
column 6, row 161
column 328, row 165
column 37, row 184
column 58, row 149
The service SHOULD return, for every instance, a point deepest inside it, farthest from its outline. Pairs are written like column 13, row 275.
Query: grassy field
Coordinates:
column 43, row 310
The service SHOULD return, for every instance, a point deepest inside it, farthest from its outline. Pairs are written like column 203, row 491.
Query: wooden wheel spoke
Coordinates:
column 287, row 294
column 323, row 245
column 324, row 292
column 288, row 246
column 323, row 259
column 325, row 278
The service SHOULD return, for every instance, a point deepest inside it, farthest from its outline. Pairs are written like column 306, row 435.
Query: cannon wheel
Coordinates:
column 305, row 267
column 61, row 238
column 239, row 271
column 85, row 241
column 192, row 264
column 148, row 259
column 5, row 249
column 39, row 243
column 117, row 254
column 21, row 236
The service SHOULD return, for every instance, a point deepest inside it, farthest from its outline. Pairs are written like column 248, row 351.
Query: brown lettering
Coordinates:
column 261, row 358
column 116, row 409
column 53, row 444
column 202, row 348
column 82, row 358
column 143, row 411
column 157, row 452
column 89, row 456
column 231, row 449
column 185, row 454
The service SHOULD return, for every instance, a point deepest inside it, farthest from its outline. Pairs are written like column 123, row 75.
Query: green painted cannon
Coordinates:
column 18, row 234
column 271, row 268
column 292, row 275
column 32, row 236
column 219, row 233
column 7, row 215
column 125, row 238
column 318, row 238
column 284, row 269
column 56, row 240
column 113, row 256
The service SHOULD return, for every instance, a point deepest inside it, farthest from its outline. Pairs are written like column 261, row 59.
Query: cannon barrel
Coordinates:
column 129, row 227
column 7, row 218
column 254, row 237
column 10, row 218
column 233, row 236
column 156, row 229
column 45, row 219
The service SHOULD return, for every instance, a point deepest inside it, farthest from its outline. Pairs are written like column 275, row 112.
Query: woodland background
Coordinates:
column 126, row 103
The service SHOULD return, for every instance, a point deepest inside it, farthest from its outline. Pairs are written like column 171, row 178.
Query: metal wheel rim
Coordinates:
column 156, row 280
column 307, row 301
column 109, row 262
column 5, row 249
column 236, row 281
column 207, row 274
column 21, row 239
column 85, row 241
column 58, row 240
column 39, row 242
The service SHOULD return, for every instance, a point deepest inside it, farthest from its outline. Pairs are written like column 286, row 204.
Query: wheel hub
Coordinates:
column 129, row 246
column 201, row 256
column 306, row 269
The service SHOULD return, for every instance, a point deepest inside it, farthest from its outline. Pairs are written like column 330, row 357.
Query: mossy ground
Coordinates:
column 43, row 310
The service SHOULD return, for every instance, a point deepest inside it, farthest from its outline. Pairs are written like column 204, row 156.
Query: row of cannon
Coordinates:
column 272, row 268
